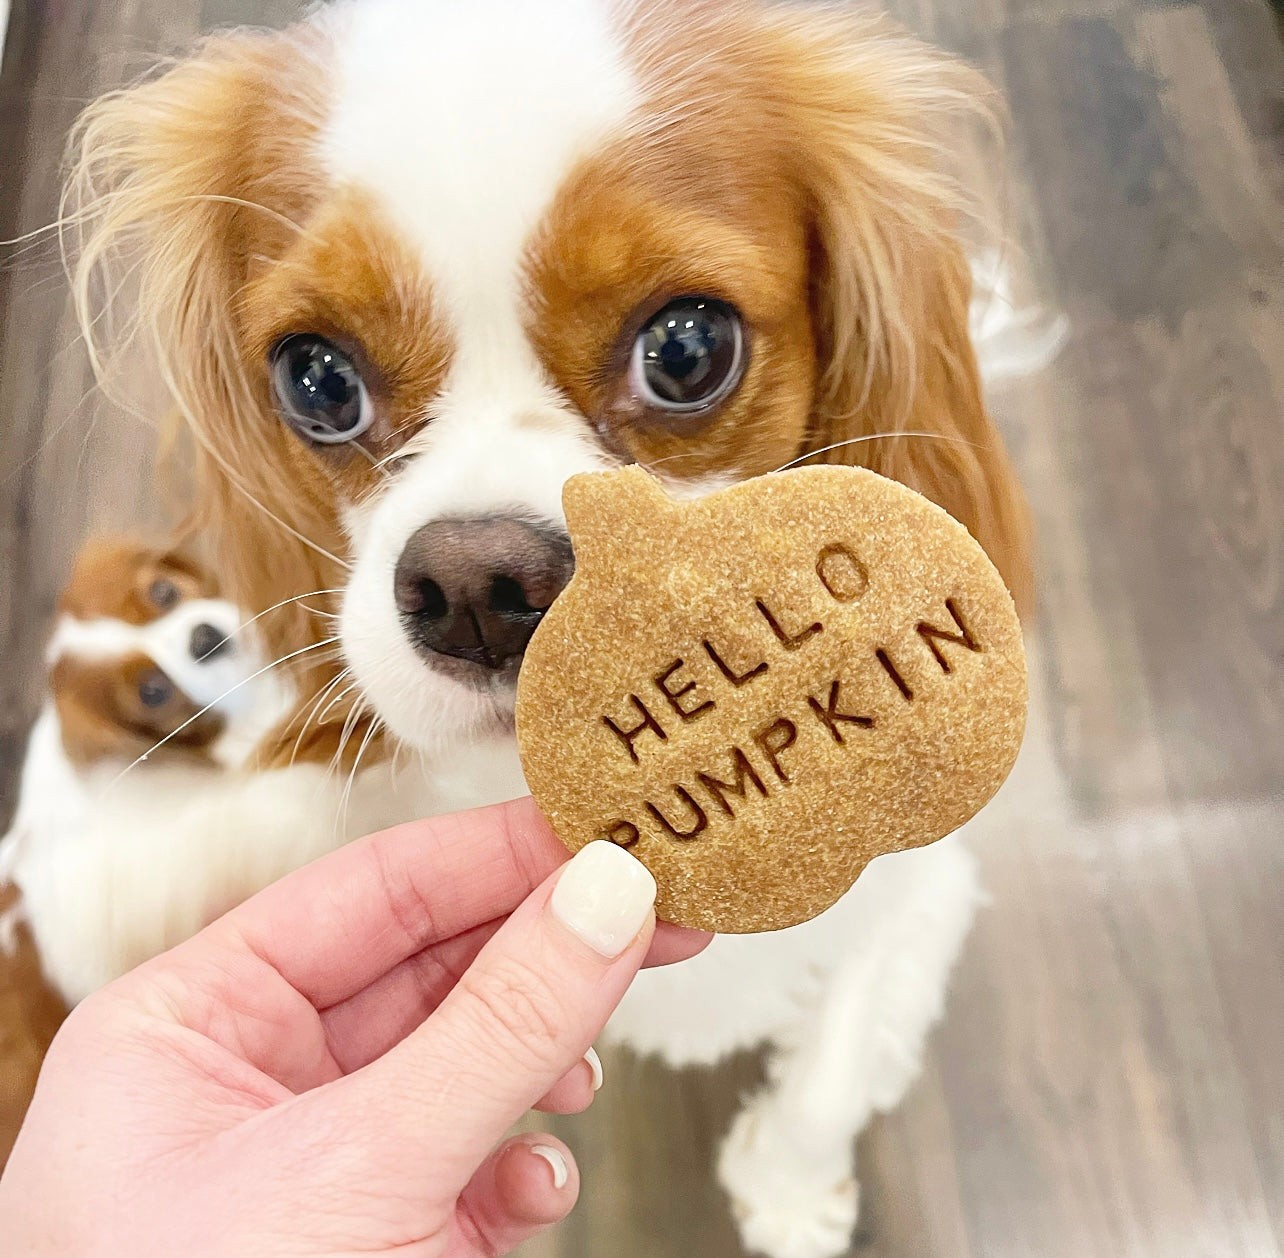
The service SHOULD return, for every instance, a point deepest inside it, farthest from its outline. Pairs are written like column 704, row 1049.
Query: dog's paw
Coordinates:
column 817, row 1226
column 786, row 1204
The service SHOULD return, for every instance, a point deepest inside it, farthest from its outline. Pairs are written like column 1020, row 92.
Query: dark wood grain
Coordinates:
column 1109, row 1079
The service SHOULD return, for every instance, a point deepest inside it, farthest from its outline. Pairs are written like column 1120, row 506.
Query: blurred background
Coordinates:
column 1109, row 1079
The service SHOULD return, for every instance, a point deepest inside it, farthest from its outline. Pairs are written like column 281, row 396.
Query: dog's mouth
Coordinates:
column 478, row 676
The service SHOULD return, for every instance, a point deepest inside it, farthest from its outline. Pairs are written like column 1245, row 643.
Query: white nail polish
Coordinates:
column 604, row 896
column 561, row 1172
column 595, row 1065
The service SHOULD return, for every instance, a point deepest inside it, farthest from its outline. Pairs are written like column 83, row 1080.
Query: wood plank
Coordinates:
column 1247, row 38
column 1094, row 1121
column 646, row 1151
column 908, row 1164
column 1237, row 861
column 1171, row 429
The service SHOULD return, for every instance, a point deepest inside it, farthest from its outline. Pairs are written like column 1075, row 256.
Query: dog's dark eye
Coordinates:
column 155, row 690
column 163, row 593
column 319, row 390
column 689, row 356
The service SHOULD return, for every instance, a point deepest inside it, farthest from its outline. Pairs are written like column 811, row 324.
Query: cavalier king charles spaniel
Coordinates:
column 406, row 266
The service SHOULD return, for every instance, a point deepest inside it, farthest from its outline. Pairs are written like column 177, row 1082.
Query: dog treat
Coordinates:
column 759, row 691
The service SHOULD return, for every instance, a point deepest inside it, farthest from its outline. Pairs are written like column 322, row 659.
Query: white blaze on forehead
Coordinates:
column 463, row 117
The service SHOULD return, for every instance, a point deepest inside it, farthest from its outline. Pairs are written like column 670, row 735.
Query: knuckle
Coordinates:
column 517, row 1004
column 408, row 908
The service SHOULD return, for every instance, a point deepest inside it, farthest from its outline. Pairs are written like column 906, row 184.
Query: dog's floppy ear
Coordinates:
column 182, row 186
column 951, row 450
column 890, row 281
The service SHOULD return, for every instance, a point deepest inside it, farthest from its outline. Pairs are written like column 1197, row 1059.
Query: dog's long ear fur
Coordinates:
column 871, row 111
column 179, row 186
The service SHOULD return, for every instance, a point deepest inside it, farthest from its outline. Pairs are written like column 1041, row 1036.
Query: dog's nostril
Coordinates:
column 508, row 598
column 207, row 642
column 433, row 603
column 475, row 589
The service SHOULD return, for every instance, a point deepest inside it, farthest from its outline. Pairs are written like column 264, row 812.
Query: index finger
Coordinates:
column 335, row 926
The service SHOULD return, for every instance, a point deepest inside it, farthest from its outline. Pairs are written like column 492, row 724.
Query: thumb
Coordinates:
column 517, row 1020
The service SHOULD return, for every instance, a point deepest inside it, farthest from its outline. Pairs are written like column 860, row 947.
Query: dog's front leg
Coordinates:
column 787, row 1162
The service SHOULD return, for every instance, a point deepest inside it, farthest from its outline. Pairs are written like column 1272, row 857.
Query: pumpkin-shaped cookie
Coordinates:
column 759, row 691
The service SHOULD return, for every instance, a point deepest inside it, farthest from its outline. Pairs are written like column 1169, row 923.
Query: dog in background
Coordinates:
column 408, row 265
column 139, row 817
column 145, row 660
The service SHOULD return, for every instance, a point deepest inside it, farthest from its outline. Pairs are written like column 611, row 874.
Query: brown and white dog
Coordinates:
column 138, row 820
column 145, row 652
column 408, row 265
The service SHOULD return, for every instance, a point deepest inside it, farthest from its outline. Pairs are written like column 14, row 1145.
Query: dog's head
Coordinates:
column 410, row 265
column 143, row 653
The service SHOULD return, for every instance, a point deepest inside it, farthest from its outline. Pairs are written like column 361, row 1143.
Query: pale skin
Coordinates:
column 331, row 1068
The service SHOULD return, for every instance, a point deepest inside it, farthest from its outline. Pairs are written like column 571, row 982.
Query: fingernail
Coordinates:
column 604, row 897
column 595, row 1065
column 561, row 1172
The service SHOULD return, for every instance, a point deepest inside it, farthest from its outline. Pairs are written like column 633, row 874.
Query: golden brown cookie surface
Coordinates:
column 760, row 691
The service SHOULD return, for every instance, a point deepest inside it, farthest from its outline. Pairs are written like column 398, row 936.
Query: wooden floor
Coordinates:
column 1110, row 1079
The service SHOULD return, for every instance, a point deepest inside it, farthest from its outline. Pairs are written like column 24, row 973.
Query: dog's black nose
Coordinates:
column 476, row 589
column 207, row 642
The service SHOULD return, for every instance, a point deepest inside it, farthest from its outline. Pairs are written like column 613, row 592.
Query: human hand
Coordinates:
column 327, row 1068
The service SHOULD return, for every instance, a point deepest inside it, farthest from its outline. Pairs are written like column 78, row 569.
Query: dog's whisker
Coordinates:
column 358, row 714
column 285, row 602
column 345, row 802
column 875, row 436
column 319, row 714
column 314, row 700
column 231, row 690
column 339, row 698
column 837, row 445
column 416, row 421
column 376, row 464
column 323, row 691
column 349, row 725
column 399, row 749
column 388, row 459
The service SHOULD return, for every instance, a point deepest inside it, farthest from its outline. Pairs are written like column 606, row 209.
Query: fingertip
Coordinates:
column 573, row 1093
column 526, row 1185
column 605, row 898
column 671, row 944
column 536, row 1181
column 594, row 1063
column 557, row 1164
